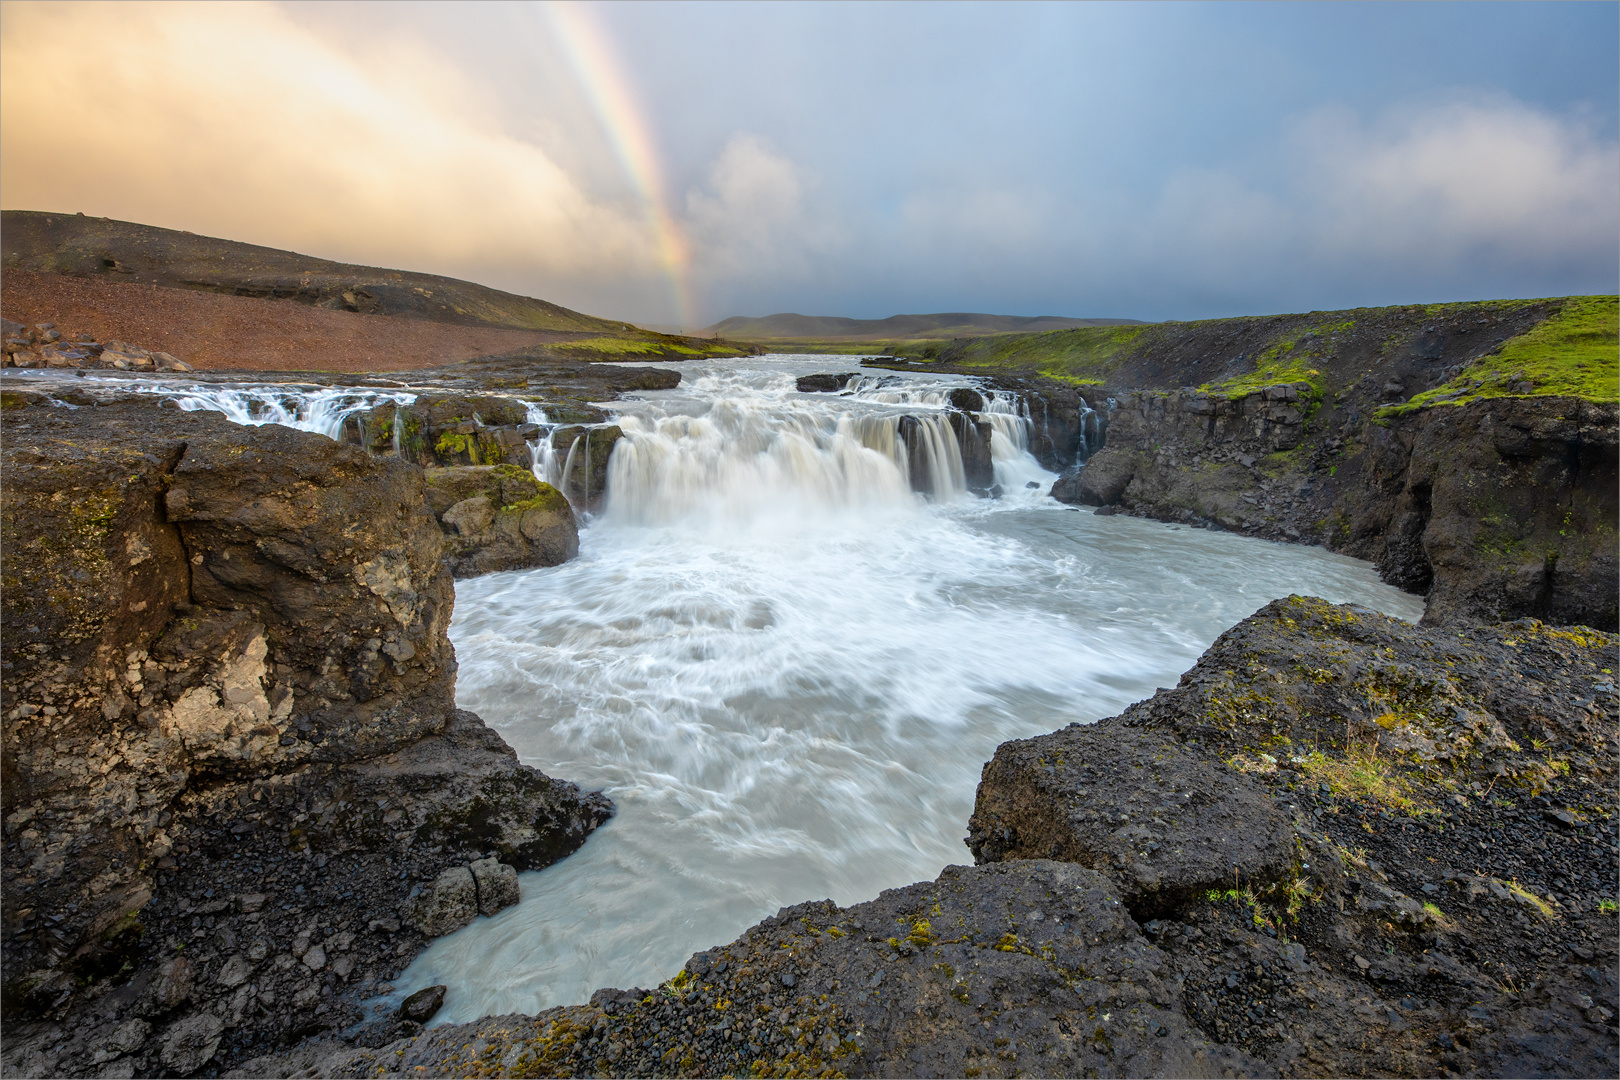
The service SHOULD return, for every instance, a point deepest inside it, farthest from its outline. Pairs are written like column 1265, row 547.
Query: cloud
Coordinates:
column 1437, row 197
column 1493, row 179
column 752, row 218
column 231, row 119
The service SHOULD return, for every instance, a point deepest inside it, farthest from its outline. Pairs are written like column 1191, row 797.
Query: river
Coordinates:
column 787, row 669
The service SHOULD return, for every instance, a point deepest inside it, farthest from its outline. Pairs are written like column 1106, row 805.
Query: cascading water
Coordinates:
column 786, row 667
column 324, row 409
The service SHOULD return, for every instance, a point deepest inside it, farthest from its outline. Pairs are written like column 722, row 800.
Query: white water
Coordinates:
column 787, row 670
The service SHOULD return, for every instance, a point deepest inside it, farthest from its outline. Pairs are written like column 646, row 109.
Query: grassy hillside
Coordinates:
column 1410, row 356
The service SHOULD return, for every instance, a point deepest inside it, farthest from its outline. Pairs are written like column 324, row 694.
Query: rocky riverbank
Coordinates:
column 231, row 751
column 1342, row 846
column 1469, row 450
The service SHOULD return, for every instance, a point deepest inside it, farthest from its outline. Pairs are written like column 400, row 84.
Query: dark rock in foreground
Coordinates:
column 1417, row 841
column 230, row 742
column 1030, row 967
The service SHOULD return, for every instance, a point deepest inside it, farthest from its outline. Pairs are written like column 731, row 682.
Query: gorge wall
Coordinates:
column 231, row 749
column 1469, row 450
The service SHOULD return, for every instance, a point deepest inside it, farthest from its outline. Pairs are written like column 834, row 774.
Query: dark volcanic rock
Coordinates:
column 227, row 678
column 823, row 383
column 500, row 517
column 1166, row 822
column 973, row 439
column 1029, row 967
column 421, row 1006
column 1415, row 784
column 967, row 400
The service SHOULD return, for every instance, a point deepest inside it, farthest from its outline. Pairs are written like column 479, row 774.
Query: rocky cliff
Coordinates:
column 230, row 742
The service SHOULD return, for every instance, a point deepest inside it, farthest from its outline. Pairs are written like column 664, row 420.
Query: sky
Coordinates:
column 677, row 163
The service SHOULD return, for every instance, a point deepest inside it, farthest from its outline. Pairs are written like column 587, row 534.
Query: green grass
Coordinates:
column 1081, row 356
column 1285, row 362
column 1575, row 353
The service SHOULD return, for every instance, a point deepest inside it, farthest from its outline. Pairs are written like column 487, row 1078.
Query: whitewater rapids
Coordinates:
column 787, row 668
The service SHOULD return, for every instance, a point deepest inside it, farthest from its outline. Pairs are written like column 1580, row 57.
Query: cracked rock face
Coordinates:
column 1167, row 823
column 225, row 667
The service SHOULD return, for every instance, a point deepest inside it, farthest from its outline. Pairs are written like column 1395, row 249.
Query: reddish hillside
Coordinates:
column 221, row 332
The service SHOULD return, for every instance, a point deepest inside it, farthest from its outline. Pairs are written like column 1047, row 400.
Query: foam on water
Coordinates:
column 787, row 670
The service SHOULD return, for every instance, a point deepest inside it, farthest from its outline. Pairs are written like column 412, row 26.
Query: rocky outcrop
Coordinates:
column 1413, row 836
column 44, row 346
column 1031, row 967
column 229, row 728
column 1497, row 509
column 499, row 517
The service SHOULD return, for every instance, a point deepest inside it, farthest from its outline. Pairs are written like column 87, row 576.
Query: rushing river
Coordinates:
column 787, row 670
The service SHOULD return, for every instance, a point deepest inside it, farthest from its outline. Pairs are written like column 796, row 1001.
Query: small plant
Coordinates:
column 1607, row 907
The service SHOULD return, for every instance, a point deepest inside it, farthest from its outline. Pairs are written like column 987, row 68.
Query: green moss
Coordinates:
column 1080, row 356
column 1286, row 361
column 1573, row 353
column 549, row 499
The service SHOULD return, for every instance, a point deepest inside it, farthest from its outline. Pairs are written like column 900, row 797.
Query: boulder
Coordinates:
column 1164, row 822
column 497, row 885
column 446, row 904
column 421, row 1006
column 191, row 1043
column 823, row 383
column 501, row 518
column 966, row 399
column 1101, row 482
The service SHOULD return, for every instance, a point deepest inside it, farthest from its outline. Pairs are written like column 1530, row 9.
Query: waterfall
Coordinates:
column 324, row 410
column 750, row 454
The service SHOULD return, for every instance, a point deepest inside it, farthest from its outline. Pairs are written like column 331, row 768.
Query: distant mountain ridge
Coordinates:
column 127, row 252
column 950, row 324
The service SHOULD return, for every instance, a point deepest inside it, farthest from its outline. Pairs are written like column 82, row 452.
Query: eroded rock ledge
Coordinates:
column 1342, row 846
column 230, row 743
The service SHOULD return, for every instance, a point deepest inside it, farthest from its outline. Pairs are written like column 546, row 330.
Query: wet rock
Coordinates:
column 1166, row 823
column 967, row 400
column 189, row 1044
column 497, row 885
column 1102, row 482
column 421, row 1006
column 584, row 453
column 501, row 518
column 822, row 383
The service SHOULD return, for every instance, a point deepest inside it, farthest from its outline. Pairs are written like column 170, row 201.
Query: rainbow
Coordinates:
column 609, row 89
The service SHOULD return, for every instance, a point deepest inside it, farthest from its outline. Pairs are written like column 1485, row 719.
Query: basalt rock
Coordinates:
column 500, row 518
column 973, row 439
column 226, row 678
column 1389, row 804
column 823, row 383
column 1496, row 509
column 1030, row 966
column 1166, row 822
